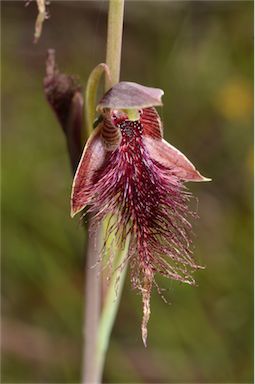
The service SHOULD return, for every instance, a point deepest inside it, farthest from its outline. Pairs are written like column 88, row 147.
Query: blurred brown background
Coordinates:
column 200, row 53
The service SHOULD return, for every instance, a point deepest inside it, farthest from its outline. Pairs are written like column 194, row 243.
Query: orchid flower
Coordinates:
column 129, row 172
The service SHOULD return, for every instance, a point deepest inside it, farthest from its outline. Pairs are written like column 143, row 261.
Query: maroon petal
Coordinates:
column 92, row 158
column 151, row 123
column 169, row 156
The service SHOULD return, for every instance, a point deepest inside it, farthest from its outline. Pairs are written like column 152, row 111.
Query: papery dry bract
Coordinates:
column 130, row 173
column 65, row 96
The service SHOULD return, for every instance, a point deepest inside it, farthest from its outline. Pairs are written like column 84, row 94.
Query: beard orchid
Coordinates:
column 129, row 174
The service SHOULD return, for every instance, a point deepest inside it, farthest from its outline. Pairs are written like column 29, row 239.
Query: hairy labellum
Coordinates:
column 129, row 172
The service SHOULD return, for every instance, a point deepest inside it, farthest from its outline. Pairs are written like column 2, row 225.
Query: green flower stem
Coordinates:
column 92, row 307
column 111, row 305
column 97, row 331
column 90, row 369
column 112, row 297
column 114, row 40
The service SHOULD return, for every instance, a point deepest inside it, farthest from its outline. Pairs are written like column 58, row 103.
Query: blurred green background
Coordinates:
column 200, row 53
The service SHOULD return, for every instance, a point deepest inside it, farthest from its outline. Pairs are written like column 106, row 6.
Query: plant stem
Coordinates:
column 92, row 306
column 97, row 333
column 114, row 40
column 112, row 298
column 111, row 304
